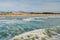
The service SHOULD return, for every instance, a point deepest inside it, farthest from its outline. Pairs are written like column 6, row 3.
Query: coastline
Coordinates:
column 22, row 14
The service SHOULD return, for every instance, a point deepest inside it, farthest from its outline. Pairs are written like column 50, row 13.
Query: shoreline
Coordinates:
column 22, row 14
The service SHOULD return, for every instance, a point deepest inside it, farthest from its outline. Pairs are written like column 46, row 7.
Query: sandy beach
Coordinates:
column 24, row 14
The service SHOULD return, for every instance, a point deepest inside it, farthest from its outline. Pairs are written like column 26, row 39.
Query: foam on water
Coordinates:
column 12, row 26
column 40, row 34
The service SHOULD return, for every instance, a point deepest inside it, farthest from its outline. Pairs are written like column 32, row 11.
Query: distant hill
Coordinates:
column 44, row 13
column 18, row 12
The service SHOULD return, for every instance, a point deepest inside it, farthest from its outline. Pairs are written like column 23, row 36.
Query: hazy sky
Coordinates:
column 30, row 5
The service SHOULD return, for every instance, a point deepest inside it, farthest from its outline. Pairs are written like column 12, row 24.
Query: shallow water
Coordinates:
column 12, row 26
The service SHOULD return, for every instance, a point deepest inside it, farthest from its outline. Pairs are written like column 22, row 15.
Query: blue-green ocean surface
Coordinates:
column 12, row 26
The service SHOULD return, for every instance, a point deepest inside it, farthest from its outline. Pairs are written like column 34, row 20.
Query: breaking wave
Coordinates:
column 40, row 34
column 12, row 26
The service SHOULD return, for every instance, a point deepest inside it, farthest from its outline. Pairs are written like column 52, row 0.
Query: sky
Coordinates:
column 30, row 5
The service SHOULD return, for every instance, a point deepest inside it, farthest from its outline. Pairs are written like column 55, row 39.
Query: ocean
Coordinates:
column 12, row 26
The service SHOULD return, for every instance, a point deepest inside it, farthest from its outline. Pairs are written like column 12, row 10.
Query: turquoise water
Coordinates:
column 12, row 26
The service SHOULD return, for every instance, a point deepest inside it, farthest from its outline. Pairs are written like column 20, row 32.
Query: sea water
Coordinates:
column 12, row 26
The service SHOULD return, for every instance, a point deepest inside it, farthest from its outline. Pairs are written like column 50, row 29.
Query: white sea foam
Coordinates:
column 32, row 19
column 10, row 21
column 28, row 19
column 40, row 34
column 42, row 17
